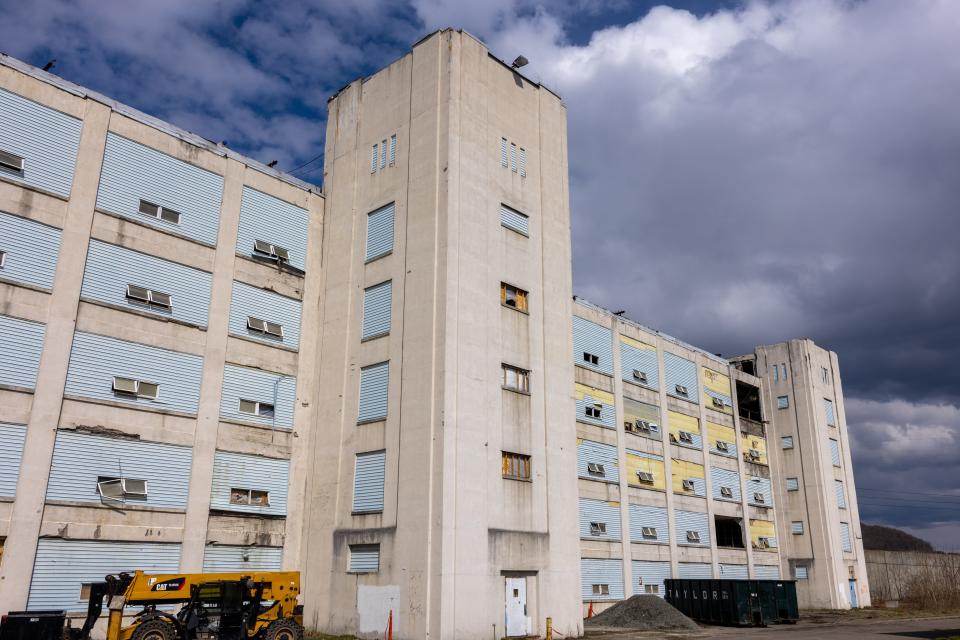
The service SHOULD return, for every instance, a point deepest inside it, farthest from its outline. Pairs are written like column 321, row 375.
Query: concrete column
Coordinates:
column 622, row 461
column 214, row 356
column 667, row 462
column 21, row 545
column 707, row 480
column 741, row 471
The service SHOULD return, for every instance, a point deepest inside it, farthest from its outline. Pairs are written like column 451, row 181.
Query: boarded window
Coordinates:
column 364, row 558
column 377, row 302
column 783, row 402
column 514, row 220
column 516, row 466
column 373, row 392
column 380, row 229
column 513, row 297
column 368, row 481
column 515, row 379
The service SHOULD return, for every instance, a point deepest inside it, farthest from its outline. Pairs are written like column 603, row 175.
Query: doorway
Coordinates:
column 516, row 607
column 853, row 594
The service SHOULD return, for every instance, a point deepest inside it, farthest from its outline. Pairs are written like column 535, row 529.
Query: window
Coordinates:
column 393, row 150
column 3, row 258
column 640, row 376
column 841, row 495
column 600, row 589
column 651, row 588
column 135, row 388
column 759, row 498
column 828, row 410
column 686, row 436
column 265, row 327
column 688, row 485
column 515, row 379
column 717, row 403
column 825, row 375
column 374, row 383
column 793, row 484
column 753, row 455
column 594, row 411
column 645, row 477
column 648, row 532
column 681, row 390
column 783, row 402
column 149, row 297
column 516, row 466
column 591, row 358
column 523, row 162
column 513, row 157
column 250, row 497
column 596, row 469
column 374, row 157
column 800, row 572
column 598, row 528
column 514, row 220
column 159, row 212
column 723, row 446
column 834, row 452
column 503, row 152
column 11, row 163
column 783, row 372
column 796, row 528
column 121, row 489
column 383, row 154
column 254, row 408
column 726, row 492
column 364, row 558
column 513, row 297
column 368, row 482
column 380, row 225
column 639, row 425
column 377, row 309
column 693, row 536
column 786, row 442
column 763, row 543
column 270, row 251
column 776, row 374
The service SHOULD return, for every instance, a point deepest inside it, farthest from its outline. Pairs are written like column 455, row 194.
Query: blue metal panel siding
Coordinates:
column 699, row 487
column 368, row 480
column 845, row 537
column 683, row 372
column 111, row 268
column 835, row 452
column 759, row 485
column 828, row 412
column 649, row 572
column 599, row 511
column 11, row 452
column 698, row 570
column 589, row 337
column 21, row 343
column 247, row 300
column 725, row 478
column 601, row 571
column 219, row 558
column 31, row 250
column 595, row 452
column 374, row 381
column 692, row 521
column 272, row 220
column 376, row 309
column 244, row 383
column 364, row 558
column 78, row 459
column 380, row 225
column 608, row 413
column 246, row 471
column 96, row 359
column 46, row 139
column 644, row 360
column 841, row 494
column 514, row 220
column 63, row 566
column 766, row 571
column 133, row 172
column 642, row 516
column 733, row 572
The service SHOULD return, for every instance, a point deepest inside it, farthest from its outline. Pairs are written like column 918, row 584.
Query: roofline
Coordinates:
column 154, row 122
column 660, row 334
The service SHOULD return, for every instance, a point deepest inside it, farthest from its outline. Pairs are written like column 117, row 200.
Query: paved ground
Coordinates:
column 929, row 628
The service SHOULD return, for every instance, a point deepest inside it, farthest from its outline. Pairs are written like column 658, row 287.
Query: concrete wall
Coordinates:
column 907, row 575
column 452, row 528
column 812, row 374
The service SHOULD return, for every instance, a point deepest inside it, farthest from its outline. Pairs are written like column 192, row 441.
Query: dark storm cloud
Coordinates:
column 739, row 177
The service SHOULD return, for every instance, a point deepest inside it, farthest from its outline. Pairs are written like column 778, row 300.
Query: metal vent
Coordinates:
column 11, row 162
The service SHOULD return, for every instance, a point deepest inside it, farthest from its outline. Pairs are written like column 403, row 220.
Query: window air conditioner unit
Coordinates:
column 594, row 468
column 642, row 425
column 718, row 403
column 693, row 536
column 726, row 492
column 759, row 498
column 645, row 476
column 688, row 485
column 601, row 589
column 686, row 437
column 648, row 532
column 681, row 390
column 722, row 446
column 640, row 376
column 754, row 454
column 598, row 528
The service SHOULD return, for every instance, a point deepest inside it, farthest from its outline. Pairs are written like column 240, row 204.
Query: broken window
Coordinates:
column 594, row 411
column 513, row 297
column 516, row 466
column 748, row 402
column 515, row 379
column 729, row 532
column 591, row 358
column 250, row 497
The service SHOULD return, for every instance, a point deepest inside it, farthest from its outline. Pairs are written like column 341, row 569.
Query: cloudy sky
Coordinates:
column 747, row 171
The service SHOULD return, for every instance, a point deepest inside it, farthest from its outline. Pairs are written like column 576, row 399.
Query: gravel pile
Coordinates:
column 646, row 612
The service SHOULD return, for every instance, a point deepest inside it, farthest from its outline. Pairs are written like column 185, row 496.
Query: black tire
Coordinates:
column 283, row 629
column 155, row 629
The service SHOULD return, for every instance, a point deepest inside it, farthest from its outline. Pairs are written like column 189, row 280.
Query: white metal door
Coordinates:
column 516, row 598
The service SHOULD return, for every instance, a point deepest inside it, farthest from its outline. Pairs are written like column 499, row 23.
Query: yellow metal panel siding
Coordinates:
column 717, row 385
column 683, row 470
column 719, row 432
column 588, row 395
column 637, row 461
column 748, row 442
column 763, row 529
column 678, row 422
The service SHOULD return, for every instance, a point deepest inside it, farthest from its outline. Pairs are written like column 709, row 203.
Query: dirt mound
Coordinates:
column 647, row 612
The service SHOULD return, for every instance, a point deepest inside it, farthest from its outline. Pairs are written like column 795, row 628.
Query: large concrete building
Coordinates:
column 208, row 364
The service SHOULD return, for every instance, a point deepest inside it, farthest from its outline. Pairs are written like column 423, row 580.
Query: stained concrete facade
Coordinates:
column 452, row 529
column 803, row 400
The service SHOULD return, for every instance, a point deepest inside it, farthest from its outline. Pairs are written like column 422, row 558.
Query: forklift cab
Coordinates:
column 220, row 610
